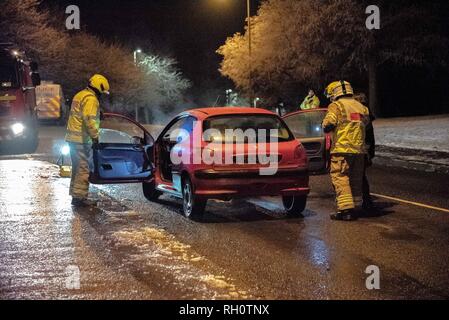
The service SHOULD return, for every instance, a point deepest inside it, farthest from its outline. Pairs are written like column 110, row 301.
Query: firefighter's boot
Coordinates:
column 83, row 203
column 345, row 215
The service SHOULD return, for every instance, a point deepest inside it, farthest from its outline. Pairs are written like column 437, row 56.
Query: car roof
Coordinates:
column 217, row 111
column 304, row 111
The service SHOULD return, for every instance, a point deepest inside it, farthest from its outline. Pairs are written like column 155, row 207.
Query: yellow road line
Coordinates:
column 411, row 202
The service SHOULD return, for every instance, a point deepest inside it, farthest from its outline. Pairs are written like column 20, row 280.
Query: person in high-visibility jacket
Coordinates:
column 347, row 120
column 370, row 139
column 310, row 102
column 83, row 130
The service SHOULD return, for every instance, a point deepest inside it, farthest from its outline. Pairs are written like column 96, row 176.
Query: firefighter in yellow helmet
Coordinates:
column 347, row 120
column 311, row 101
column 83, row 130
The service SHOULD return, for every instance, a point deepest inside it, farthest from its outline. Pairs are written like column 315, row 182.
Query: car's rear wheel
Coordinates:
column 294, row 205
column 193, row 207
column 150, row 192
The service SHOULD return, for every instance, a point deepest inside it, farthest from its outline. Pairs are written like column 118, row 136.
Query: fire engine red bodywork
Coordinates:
column 18, row 105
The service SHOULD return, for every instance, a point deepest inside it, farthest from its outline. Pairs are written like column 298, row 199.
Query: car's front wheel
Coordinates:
column 150, row 192
column 193, row 207
column 294, row 205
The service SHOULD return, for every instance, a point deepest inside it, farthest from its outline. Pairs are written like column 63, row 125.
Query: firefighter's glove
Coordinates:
column 329, row 128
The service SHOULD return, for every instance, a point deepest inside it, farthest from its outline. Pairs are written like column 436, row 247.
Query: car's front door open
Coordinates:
column 307, row 128
column 124, row 154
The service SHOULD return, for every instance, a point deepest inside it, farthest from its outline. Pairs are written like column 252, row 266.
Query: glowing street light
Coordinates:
column 250, row 67
column 248, row 8
column 135, row 55
column 136, row 110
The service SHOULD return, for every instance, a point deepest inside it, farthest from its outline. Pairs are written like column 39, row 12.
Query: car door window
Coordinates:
column 187, row 129
column 121, row 131
column 306, row 124
column 175, row 126
column 115, row 136
column 180, row 130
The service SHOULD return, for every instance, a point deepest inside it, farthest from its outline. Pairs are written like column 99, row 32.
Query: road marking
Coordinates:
column 411, row 202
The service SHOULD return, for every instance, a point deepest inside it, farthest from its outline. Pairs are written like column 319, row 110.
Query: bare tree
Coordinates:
column 71, row 58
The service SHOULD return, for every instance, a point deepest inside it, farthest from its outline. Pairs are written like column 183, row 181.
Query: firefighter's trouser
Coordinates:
column 347, row 171
column 79, row 184
column 366, row 190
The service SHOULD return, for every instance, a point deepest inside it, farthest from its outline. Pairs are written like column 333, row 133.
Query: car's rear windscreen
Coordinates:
column 271, row 127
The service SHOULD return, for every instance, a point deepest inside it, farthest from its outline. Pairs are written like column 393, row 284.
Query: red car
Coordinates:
column 179, row 161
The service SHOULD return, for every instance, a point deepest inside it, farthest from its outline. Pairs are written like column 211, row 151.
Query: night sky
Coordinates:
column 192, row 30
column 189, row 30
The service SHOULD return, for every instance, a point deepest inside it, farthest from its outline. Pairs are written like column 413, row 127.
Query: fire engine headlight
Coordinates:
column 65, row 150
column 17, row 128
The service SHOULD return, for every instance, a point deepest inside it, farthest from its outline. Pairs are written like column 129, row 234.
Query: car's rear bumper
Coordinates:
column 224, row 184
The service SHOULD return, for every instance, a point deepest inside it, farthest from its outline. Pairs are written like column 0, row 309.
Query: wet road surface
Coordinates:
column 129, row 248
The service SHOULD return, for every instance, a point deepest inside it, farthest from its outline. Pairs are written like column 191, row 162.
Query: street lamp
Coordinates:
column 135, row 55
column 250, row 67
column 248, row 9
column 136, row 110
column 228, row 97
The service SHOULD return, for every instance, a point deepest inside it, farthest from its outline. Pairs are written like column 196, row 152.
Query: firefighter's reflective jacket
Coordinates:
column 84, row 121
column 310, row 103
column 347, row 119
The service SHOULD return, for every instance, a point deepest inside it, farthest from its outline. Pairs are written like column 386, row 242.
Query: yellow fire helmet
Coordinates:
column 100, row 83
column 338, row 89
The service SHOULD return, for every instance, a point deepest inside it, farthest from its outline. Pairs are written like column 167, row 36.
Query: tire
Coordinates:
column 150, row 192
column 193, row 207
column 294, row 205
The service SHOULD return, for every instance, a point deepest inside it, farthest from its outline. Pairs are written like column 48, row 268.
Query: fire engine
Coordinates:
column 18, row 113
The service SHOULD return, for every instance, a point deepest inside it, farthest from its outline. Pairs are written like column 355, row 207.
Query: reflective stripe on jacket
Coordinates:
column 84, row 121
column 349, row 119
